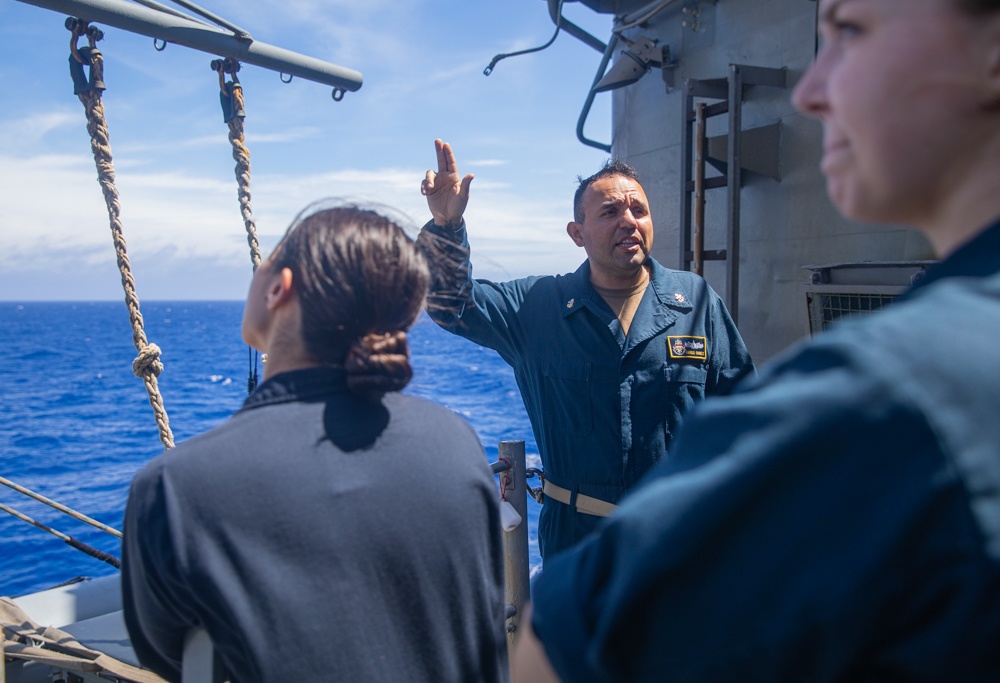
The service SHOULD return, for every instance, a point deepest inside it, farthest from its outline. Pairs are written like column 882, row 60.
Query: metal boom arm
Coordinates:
column 199, row 36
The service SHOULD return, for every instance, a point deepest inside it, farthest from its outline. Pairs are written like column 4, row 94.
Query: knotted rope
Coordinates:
column 147, row 365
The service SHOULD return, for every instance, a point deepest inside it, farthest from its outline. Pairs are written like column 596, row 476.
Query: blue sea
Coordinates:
column 75, row 423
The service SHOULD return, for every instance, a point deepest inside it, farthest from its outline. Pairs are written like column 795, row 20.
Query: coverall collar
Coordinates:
column 665, row 285
column 310, row 384
column 979, row 257
column 671, row 299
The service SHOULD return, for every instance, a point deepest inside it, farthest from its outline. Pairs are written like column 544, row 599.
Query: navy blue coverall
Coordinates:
column 603, row 405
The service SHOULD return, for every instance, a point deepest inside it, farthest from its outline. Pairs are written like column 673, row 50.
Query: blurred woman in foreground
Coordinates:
column 838, row 517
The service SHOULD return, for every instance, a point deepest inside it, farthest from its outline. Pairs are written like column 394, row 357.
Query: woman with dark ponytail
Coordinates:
column 311, row 535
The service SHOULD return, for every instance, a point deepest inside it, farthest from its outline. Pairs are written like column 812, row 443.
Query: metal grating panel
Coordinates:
column 840, row 291
column 826, row 309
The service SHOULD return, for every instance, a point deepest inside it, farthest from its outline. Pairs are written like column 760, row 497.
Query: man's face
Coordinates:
column 616, row 232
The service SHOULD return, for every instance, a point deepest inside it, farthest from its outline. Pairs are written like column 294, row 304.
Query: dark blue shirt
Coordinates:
column 310, row 536
column 604, row 406
column 835, row 519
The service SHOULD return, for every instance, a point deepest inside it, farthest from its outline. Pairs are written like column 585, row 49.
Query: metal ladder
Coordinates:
column 744, row 150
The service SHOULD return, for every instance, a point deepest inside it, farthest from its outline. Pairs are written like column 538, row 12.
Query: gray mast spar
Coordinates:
column 175, row 27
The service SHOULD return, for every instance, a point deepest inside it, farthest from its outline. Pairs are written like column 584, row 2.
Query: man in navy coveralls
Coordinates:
column 607, row 359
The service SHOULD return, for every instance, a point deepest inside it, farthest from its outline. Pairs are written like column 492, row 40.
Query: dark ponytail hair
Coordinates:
column 361, row 283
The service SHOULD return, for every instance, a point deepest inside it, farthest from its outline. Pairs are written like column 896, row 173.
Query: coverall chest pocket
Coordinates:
column 568, row 404
column 686, row 383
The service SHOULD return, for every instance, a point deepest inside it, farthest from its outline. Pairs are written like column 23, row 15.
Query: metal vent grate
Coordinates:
column 826, row 310
column 842, row 291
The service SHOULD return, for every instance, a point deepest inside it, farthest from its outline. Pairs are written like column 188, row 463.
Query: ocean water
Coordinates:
column 75, row 423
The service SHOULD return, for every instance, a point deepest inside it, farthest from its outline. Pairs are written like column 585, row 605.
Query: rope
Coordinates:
column 505, row 477
column 62, row 508
column 147, row 365
column 233, row 111
column 242, row 157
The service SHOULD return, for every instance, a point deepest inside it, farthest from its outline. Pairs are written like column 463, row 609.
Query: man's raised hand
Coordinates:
column 446, row 191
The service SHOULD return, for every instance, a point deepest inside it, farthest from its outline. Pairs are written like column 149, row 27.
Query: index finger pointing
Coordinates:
column 446, row 159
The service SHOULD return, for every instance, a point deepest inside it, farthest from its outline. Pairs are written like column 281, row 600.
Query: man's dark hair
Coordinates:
column 611, row 167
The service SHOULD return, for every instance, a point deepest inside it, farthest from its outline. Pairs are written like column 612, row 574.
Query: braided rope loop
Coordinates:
column 234, row 112
column 147, row 365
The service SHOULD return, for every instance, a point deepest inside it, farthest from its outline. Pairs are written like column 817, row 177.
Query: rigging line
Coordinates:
column 147, row 364
column 241, row 155
column 234, row 113
column 252, row 379
column 152, row 4
column 240, row 33
column 488, row 70
column 62, row 508
column 69, row 540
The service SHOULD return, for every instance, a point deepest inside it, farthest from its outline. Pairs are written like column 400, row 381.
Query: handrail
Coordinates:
column 61, row 508
column 555, row 13
column 199, row 36
column 608, row 51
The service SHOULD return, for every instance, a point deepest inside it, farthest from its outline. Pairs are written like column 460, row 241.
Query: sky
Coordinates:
column 422, row 64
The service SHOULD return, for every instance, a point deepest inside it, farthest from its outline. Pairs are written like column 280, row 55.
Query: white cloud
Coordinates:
column 176, row 219
column 25, row 132
column 422, row 63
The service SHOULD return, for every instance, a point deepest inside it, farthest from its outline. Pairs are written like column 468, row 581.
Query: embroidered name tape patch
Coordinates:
column 693, row 348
